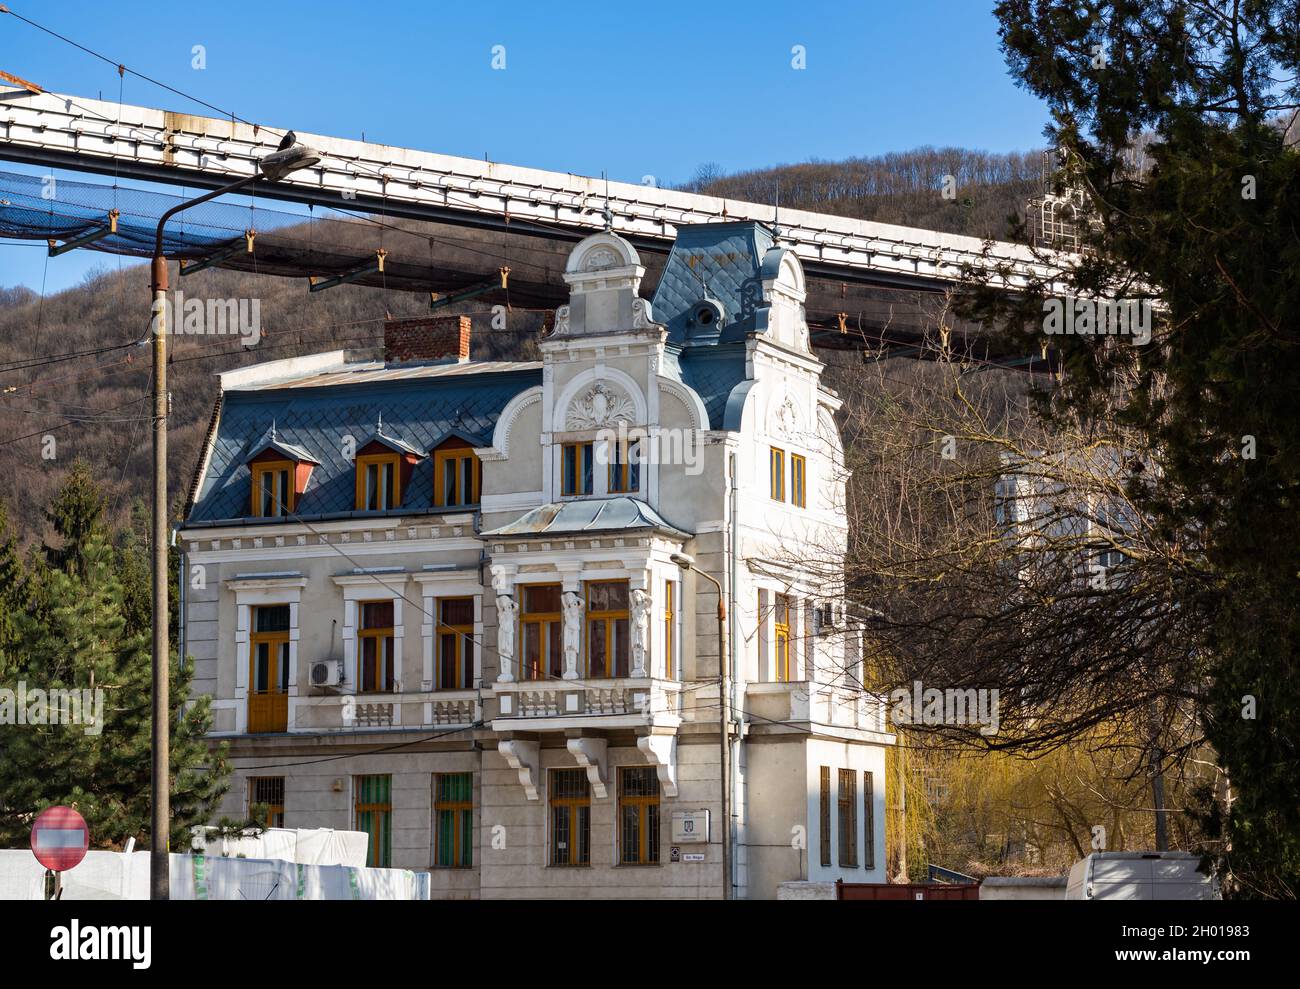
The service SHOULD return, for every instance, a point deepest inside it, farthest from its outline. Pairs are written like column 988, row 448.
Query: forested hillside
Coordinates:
column 70, row 390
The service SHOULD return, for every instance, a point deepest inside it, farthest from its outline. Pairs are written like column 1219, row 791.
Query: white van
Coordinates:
column 1140, row 876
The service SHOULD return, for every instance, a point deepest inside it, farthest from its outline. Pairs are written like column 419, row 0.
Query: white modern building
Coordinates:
column 472, row 608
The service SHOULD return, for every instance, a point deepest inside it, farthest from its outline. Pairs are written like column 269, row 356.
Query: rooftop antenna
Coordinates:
column 607, row 214
column 776, row 220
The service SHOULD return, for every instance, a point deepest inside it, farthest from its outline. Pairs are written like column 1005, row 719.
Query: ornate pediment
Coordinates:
column 601, row 405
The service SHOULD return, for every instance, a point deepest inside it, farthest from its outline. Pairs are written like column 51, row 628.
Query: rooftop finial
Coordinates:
column 379, row 425
column 272, row 430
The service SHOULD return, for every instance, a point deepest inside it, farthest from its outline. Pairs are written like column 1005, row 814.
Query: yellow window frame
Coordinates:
column 777, row 464
column 381, row 654
column 781, row 627
column 542, row 619
column 609, row 617
column 274, row 808
column 268, row 469
column 669, row 637
column 362, row 469
column 642, row 802
column 582, row 460
column 798, row 480
column 620, row 467
column 461, row 636
column 456, row 455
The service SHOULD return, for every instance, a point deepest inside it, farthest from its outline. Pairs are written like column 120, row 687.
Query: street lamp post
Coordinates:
column 290, row 157
column 724, row 720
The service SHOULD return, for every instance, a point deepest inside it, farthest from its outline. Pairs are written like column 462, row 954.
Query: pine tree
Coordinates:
column 79, row 639
column 1174, row 121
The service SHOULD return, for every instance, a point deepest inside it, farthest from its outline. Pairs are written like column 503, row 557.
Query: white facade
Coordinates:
column 599, row 692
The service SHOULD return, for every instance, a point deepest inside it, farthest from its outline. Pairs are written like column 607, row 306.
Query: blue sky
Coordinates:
column 634, row 89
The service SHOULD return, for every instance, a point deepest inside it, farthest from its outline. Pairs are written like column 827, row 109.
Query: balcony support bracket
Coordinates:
column 661, row 750
column 591, row 754
column 523, row 758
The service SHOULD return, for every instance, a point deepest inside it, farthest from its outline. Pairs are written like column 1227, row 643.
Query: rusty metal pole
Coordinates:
column 160, row 816
column 724, row 721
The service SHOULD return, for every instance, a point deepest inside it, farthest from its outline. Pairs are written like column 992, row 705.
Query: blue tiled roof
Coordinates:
column 713, row 372
column 421, row 412
column 720, row 261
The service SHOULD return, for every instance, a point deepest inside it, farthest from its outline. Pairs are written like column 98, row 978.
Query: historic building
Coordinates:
column 472, row 608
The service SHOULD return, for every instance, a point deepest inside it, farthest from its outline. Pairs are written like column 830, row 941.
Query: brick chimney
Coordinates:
column 426, row 338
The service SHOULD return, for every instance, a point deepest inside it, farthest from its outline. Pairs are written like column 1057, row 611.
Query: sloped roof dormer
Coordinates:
column 271, row 440
column 384, row 438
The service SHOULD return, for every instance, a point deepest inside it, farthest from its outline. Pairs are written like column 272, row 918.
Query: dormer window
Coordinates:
column 279, row 474
column 383, row 470
column 273, row 488
column 379, row 482
column 457, row 474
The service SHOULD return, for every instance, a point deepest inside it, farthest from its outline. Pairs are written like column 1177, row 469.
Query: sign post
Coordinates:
column 60, row 839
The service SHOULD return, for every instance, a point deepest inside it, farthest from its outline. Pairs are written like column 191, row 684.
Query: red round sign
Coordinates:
column 60, row 838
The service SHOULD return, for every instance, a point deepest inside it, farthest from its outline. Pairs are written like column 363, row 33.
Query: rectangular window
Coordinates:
column 638, row 816
column 453, row 820
column 781, row 628
column 824, row 820
column 608, row 645
column 374, row 816
column 542, row 622
column 273, row 488
column 848, row 819
column 670, row 631
column 625, row 466
column 778, row 474
column 869, row 818
column 268, row 654
column 378, row 482
column 266, row 800
column 570, row 807
column 375, row 646
column 798, row 481
column 576, row 469
column 455, row 638
column 458, row 475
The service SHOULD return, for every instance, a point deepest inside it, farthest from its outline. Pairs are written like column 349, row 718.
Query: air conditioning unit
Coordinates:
column 327, row 672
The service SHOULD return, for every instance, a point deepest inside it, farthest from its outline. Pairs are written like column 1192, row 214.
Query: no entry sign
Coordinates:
column 60, row 838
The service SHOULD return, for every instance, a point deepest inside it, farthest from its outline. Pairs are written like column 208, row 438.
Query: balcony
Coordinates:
column 622, row 702
column 364, row 712
column 803, row 702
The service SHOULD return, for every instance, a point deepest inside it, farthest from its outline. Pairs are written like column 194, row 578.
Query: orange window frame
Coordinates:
column 798, row 480
column 781, row 626
column 670, row 616
column 622, row 472
column 569, row 796
column 460, row 636
column 271, row 470
column 778, row 474
column 611, row 617
column 274, row 803
column 638, row 791
column 382, row 653
column 582, row 469
column 379, row 460
column 543, row 620
column 457, row 457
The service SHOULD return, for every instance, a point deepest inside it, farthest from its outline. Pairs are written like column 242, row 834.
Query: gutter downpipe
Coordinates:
column 730, row 682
